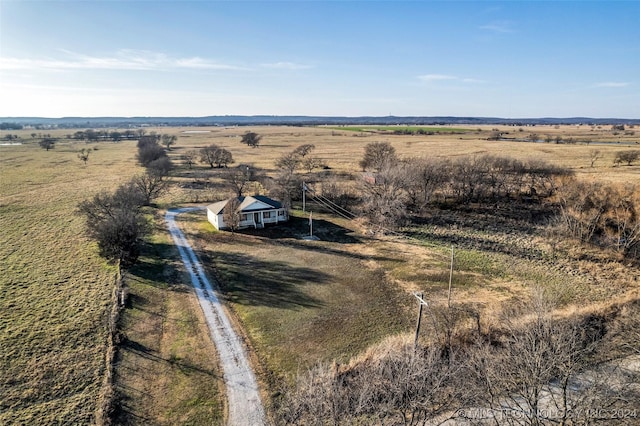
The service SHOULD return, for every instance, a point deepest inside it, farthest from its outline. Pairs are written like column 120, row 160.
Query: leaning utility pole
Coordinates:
column 420, row 303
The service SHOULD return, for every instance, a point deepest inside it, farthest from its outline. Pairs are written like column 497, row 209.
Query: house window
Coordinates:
column 243, row 217
column 281, row 213
column 267, row 215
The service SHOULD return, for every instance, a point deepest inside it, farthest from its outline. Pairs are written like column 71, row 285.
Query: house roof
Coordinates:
column 248, row 204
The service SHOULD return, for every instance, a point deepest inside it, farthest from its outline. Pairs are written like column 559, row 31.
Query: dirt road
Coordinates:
column 245, row 407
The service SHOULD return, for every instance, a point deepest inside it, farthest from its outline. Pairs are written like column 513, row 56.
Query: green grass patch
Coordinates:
column 302, row 302
column 168, row 371
column 406, row 130
column 480, row 262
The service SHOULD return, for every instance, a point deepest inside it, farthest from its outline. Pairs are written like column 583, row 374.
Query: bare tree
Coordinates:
column 168, row 141
column 150, row 185
column 252, row 139
column 286, row 186
column 190, row 157
column 149, row 152
column 215, row 156
column 208, row 154
column 231, row 214
column 310, row 163
column 115, row 221
column 626, row 157
column 377, row 155
column 395, row 382
column 602, row 214
column 539, row 370
column 288, row 162
column 162, row 166
column 48, row 143
column 582, row 207
column 304, row 150
column 83, row 155
column 239, row 177
column 384, row 202
column 422, row 178
column 594, row 155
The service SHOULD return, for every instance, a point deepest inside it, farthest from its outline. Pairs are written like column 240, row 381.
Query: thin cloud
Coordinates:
column 502, row 27
column 612, row 84
column 436, row 77
column 287, row 66
column 125, row 59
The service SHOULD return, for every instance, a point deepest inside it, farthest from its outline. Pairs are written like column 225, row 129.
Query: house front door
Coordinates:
column 257, row 218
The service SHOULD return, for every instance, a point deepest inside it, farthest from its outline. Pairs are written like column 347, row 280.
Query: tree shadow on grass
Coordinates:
column 297, row 227
column 156, row 267
column 295, row 242
column 247, row 280
column 141, row 350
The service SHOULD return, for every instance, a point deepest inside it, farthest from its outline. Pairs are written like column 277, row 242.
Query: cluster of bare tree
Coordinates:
column 116, row 220
column 399, row 187
column 533, row 369
column 287, row 183
column 212, row 155
column 154, row 182
column 602, row 214
column 627, row 157
column 91, row 135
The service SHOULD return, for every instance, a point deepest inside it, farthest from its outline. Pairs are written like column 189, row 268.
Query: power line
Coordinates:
column 347, row 212
column 351, row 216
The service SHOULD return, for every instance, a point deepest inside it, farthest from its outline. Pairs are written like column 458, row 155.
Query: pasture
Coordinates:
column 56, row 292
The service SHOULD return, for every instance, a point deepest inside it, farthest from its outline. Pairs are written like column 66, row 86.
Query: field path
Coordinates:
column 245, row 407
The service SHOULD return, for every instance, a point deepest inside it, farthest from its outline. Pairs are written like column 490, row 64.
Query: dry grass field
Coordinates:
column 341, row 150
column 54, row 289
column 298, row 302
column 296, row 299
column 55, row 294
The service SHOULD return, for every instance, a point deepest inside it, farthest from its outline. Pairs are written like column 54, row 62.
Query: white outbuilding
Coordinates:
column 255, row 211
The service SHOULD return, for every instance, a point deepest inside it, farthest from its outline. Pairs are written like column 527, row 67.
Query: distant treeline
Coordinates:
column 244, row 120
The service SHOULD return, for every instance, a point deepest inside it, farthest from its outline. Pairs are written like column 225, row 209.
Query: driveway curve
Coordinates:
column 243, row 397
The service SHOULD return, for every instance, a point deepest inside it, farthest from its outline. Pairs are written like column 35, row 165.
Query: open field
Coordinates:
column 403, row 129
column 301, row 302
column 298, row 302
column 54, row 289
column 55, row 294
column 341, row 150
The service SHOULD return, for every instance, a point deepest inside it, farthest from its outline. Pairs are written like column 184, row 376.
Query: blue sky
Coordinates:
column 421, row 58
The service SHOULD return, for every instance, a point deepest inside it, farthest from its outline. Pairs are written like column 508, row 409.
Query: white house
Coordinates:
column 255, row 211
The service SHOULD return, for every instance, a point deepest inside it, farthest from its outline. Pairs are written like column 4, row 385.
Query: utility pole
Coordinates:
column 304, row 196
column 450, row 279
column 311, row 224
column 421, row 303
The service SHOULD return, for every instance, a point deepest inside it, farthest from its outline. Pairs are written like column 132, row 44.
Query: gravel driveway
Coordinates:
column 243, row 397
